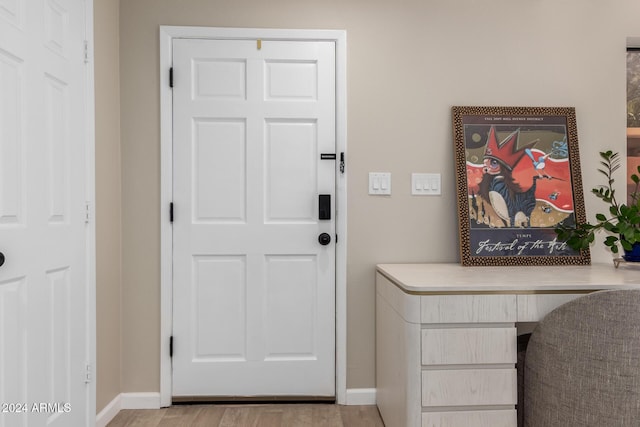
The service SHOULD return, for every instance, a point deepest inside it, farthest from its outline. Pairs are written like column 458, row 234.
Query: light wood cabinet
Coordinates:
column 446, row 340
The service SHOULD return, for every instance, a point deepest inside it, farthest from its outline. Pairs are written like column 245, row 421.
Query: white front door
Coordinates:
column 253, row 287
column 43, row 284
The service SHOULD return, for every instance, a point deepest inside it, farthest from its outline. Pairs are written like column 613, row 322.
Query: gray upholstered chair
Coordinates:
column 582, row 365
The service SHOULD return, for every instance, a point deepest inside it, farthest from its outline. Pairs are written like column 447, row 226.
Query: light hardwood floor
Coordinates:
column 255, row 415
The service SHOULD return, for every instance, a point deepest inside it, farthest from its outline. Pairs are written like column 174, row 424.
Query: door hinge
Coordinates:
column 86, row 51
column 87, row 212
column 171, row 77
column 171, row 212
column 171, row 346
column 88, row 376
column 342, row 162
column 336, row 238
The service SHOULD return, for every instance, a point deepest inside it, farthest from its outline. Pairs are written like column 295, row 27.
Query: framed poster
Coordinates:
column 518, row 177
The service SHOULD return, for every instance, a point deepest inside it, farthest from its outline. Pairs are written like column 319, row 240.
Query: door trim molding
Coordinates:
column 167, row 34
column 90, row 198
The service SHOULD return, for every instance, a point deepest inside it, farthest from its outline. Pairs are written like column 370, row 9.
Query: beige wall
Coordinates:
column 409, row 61
column 108, row 201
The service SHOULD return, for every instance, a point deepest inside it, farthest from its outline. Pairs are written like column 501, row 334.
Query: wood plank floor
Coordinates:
column 253, row 415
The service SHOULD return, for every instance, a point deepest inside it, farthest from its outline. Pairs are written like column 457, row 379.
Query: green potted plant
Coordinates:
column 621, row 221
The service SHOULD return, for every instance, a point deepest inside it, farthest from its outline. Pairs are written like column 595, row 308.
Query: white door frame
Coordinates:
column 167, row 34
column 90, row 197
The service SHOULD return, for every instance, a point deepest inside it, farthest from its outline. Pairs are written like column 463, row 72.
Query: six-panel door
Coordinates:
column 253, row 289
column 43, row 281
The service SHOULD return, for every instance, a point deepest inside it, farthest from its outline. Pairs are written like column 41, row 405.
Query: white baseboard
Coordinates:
column 127, row 401
column 109, row 412
column 140, row 400
column 361, row 396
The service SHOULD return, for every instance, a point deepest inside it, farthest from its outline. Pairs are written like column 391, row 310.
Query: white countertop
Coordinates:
column 450, row 277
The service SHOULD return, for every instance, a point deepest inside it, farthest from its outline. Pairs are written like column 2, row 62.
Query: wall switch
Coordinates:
column 425, row 184
column 379, row 183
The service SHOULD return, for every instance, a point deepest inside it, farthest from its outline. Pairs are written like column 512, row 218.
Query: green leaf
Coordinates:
column 601, row 217
column 628, row 234
column 610, row 240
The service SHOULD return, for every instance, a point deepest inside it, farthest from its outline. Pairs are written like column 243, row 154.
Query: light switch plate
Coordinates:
column 379, row 183
column 425, row 184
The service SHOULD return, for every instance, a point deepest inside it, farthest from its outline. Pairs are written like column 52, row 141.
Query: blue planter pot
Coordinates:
column 633, row 255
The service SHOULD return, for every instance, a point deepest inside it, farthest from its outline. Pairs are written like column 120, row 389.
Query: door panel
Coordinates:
column 13, row 366
column 220, row 78
column 291, row 278
column 57, row 153
column 220, row 302
column 253, row 290
column 219, row 170
column 291, row 80
column 59, row 345
column 11, row 149
column 288, row 182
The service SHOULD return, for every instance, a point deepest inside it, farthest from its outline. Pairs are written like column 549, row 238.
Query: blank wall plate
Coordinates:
column 425, row 184
column 379, row 183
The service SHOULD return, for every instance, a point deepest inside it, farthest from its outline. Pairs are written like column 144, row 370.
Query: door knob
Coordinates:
column 324, row 239
column 1, row 259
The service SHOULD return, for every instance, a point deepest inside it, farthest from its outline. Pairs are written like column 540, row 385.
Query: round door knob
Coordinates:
column 324, row 239
column 1, row 259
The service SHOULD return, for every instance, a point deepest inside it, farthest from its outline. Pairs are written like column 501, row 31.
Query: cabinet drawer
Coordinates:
column 459, row 346
column 467, row 308
column 466, row 387
column 532, row 308
column 506, row 418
